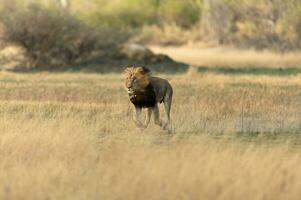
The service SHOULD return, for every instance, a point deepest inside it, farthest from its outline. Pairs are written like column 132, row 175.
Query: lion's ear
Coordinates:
column 143, row 70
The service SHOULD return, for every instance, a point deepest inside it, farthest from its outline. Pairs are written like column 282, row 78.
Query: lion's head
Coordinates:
column 136, row 78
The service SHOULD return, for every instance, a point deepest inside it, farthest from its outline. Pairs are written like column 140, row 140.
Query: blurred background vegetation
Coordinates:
column 71, row 30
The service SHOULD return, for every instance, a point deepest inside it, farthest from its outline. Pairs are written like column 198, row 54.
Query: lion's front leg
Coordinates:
column 137, row 117
column 148, row 116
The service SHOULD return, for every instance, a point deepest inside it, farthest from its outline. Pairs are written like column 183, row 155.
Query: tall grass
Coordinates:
column 70, row 136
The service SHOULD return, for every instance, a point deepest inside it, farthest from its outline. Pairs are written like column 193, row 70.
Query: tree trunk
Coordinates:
column 64, row 3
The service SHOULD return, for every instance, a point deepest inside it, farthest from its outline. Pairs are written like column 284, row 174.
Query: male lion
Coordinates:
column 146, row 91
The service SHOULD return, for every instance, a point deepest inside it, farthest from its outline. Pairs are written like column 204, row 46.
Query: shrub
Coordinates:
column 185, row 14
column 261, row 24
column 118, row 13
column 56, row 38
column 139, row 13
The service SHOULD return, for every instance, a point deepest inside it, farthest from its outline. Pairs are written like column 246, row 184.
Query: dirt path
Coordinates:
column 222, row 57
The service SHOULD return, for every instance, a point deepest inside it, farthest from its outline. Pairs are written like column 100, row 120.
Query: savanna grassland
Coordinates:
column 236, row 135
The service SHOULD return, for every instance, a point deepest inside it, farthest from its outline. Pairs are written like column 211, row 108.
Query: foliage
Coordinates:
column 250, row 23
column 53, row 35
column 55, row 38
column 273, row 24
column 138, row 13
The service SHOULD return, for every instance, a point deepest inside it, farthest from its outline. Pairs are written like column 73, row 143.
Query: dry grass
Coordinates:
column 70, row 136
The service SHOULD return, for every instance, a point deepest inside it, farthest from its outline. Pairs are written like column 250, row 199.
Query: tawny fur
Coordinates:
column 137, row 81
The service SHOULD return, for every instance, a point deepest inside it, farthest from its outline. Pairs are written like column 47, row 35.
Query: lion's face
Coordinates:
column 136, row 78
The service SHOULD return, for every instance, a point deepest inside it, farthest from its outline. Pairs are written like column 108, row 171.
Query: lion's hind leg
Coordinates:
column 167, row 106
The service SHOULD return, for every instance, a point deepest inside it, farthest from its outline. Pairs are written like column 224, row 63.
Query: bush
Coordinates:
column 139, row 13
column 118, row 13
column 56, row 38
column 262, row 24
column 52, row 36
column 185, row 14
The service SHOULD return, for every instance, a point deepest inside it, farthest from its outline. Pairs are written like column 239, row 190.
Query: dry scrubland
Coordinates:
column 70, row 136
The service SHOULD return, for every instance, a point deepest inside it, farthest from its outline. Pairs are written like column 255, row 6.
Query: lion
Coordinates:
column 146, row 91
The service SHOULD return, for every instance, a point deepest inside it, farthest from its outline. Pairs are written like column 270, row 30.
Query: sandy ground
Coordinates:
column 225, row 57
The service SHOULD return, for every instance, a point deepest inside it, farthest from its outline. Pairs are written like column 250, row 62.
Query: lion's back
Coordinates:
column 161, row 87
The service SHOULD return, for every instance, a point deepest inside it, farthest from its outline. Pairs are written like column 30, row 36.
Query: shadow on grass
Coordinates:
column 289, row 138
column 117, row 66
column 251, row 71
column 106, row 65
